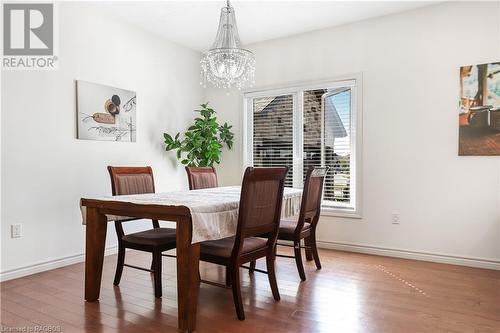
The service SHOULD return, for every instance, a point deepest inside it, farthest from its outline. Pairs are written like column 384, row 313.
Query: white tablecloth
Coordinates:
column 214, row 211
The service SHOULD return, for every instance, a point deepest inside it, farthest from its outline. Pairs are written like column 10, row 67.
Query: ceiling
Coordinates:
column 194, row 23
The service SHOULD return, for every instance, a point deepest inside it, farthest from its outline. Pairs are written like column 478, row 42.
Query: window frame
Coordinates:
column 354, row 81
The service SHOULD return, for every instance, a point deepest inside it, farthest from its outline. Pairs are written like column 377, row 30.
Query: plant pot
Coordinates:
column 479, row 116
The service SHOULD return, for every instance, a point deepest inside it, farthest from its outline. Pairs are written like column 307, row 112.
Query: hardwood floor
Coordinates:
column 478, row 141
column 352, row 293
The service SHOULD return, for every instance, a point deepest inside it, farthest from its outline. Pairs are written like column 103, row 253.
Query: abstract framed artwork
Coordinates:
column 479, row 114
column 105, row 113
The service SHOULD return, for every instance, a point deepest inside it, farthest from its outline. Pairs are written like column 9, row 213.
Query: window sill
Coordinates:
column 344, row 213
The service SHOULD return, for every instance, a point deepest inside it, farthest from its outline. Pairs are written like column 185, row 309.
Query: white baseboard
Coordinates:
column 398, row 253
column 423, row 256
column 48, row 265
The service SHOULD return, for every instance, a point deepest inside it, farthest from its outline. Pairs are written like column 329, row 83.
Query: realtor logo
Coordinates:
column 28, row 36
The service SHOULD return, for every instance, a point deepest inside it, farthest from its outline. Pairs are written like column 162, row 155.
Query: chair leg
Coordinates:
column 298, row 260
column 252, row 266
column 152, row 262
column 308, row 242
column 271, row 274
column 235, row 283
column 314, row 249
column 119, row 265
column 157, row 273
column 228, row 277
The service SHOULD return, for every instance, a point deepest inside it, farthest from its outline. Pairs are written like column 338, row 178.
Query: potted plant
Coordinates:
column 203, row 141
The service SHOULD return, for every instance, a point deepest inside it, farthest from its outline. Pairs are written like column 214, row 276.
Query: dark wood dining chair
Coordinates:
column 259, row 214
column 139, row 180
column 305, row 227
column 201, row 177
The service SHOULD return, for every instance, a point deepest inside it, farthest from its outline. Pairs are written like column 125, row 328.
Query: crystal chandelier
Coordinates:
column 226, row 64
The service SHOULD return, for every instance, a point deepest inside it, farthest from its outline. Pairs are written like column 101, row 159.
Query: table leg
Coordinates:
column 188, row 284
column 94, row 252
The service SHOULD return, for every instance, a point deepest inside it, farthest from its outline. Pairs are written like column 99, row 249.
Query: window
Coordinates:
column 316, row 125
column 273, row 133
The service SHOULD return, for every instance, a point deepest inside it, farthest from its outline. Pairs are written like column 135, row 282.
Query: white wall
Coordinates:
column 46, row 170
column 449, row 205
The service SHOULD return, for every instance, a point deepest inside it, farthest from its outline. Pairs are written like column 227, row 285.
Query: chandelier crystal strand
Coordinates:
column 226, row 64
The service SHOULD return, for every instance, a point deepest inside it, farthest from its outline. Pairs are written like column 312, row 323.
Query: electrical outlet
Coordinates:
column 396, row 218
column 15, row 231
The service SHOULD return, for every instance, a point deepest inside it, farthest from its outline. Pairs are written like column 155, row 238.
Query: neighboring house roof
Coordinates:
column 334, row 127
column 275, row 102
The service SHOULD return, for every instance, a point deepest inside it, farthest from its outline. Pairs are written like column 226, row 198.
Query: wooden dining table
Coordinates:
column 199, row 215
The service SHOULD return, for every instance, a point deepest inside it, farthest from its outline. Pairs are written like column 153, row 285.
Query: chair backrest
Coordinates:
column 310, row 207
column 260, row 205
column 131, row 180
column 201, row 177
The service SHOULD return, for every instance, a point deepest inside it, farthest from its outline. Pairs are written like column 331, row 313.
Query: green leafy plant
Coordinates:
column 203, row 141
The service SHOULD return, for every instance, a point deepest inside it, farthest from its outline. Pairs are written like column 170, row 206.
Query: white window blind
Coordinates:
column 327, row 119
column 273, row 133
column 308, row 126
